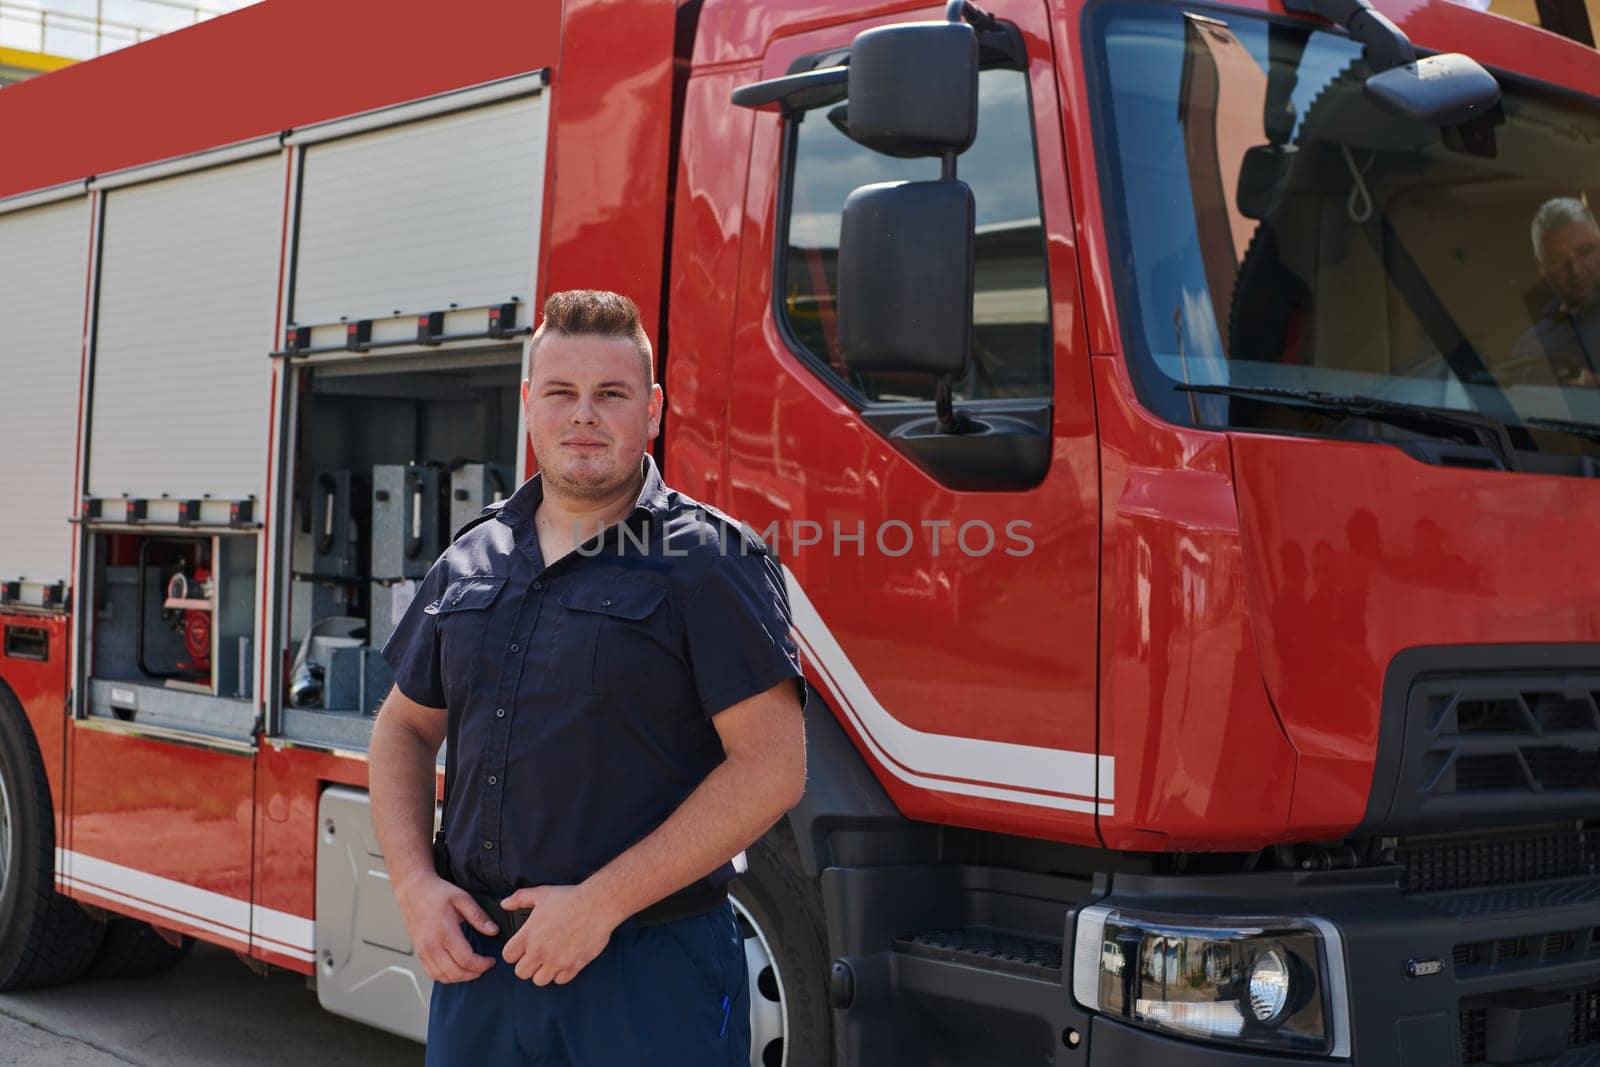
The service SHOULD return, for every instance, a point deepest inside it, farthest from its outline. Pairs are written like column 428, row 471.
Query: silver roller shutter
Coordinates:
column 188, row 291
column 422, row 216
column 44, row 259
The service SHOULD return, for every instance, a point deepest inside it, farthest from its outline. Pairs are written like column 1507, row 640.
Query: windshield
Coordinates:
column 1277, row 230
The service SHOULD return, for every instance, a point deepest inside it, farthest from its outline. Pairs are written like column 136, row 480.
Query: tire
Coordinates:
column 780, row 913
column 45, row 938
column 133, row 949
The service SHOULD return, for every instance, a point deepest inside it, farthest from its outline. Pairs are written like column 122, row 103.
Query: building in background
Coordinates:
column 38, row 36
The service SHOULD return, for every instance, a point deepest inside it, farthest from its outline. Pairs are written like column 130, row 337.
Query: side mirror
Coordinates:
column 906, row 277
column 1442, row 90
column 906, row 248
column 913, row 88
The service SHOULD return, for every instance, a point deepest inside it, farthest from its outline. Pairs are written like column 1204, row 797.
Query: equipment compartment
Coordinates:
column 172, row 639
column 389, row 459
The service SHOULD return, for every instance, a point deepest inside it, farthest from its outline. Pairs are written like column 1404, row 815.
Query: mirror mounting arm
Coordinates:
column 959, row 10
column 996, row 39
column 947, row 419
column 1386, row 45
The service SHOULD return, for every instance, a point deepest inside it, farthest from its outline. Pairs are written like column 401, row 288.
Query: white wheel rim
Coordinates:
column 768, row 1018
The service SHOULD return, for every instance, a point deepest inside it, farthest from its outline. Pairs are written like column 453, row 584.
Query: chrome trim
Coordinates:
column 199, row 529
column 280, row 743
column 1086, row 956
column 41, row 197
column 530, row 84
column 205, row 160
column 209, row 743
column 1337, row 983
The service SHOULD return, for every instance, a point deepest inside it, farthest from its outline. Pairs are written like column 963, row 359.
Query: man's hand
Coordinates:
column 569, row 926
column 433, row 910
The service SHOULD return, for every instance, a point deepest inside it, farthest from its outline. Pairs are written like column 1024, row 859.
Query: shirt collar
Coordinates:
column 652, row 502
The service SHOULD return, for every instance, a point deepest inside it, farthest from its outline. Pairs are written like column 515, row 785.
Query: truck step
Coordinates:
column 989, row 949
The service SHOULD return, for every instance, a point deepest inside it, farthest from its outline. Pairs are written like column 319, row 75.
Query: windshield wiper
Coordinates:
column 1591, row 430
column 1449, row 423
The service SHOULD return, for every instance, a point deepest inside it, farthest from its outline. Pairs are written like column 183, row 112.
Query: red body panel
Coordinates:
column 259, row 70
column 1201, row 761
column 1208, row 755
column 611, row 128
column 704, row 286
column 167, row 811
column 41, row 686
column 1356, row 552
column 989, row 660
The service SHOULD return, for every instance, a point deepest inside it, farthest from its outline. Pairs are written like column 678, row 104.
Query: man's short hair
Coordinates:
column 595, row 313
column 1556, row 213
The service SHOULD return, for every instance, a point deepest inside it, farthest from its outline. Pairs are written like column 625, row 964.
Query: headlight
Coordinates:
column 1273, row 984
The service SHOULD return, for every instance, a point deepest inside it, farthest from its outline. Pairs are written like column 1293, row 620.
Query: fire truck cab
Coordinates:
column 1182, row 461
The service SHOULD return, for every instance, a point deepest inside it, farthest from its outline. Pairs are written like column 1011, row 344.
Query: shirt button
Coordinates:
column 537, row 585
column 488, row 846
column 493, row 780
column 516, row 648
column 605, row 603
column 499, row 713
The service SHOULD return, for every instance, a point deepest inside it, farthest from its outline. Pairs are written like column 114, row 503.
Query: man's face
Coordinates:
column 591, row 412
column 1570, row 261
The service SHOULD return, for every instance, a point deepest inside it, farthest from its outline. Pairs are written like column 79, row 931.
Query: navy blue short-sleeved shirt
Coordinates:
column 581, row 693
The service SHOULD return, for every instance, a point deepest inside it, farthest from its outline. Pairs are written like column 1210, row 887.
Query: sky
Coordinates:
column 68, row 26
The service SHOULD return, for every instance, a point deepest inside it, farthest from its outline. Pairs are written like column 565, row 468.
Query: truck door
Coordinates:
column 944, row 590
column 163, row 739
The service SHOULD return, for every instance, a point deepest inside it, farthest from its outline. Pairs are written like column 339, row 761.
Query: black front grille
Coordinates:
column 1474, row 1035
column 988, row 948
column 1481, row 774
column 1583, row 1031
column 1446, row 864
column 1475, row 958
column 1481, row 736
column 1585, row 1018
column 1490, row 737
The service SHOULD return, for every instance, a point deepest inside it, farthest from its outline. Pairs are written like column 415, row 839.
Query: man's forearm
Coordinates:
column 401, row 775
column 732, row 806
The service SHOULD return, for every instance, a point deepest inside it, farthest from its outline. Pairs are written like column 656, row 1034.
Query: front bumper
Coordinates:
column 1509, row 959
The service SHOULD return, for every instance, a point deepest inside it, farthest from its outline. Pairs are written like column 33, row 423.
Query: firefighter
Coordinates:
column 624, row 710
column 1566, row 338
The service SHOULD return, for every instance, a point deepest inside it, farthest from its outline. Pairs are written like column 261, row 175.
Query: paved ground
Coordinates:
column 209, row 1010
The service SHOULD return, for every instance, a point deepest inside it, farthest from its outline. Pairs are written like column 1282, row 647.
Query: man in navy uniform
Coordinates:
column 624, row 707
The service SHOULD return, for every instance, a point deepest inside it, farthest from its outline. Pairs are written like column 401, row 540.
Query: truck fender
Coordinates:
column 841, row 791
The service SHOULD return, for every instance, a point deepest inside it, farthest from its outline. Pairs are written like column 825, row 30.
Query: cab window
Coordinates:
column 1011, row 314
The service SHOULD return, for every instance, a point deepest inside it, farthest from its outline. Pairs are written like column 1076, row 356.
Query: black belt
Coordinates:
column 684, row 904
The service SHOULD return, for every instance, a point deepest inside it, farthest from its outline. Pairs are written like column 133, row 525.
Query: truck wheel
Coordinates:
column 133, row 949
column 785, row 945
column 45, row 938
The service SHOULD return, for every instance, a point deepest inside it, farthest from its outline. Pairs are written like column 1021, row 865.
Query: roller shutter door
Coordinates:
column 424, row 216
column 188, row 291
column 44, row 258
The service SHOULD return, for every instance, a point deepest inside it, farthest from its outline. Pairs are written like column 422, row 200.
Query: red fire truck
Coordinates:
column 1184, row 466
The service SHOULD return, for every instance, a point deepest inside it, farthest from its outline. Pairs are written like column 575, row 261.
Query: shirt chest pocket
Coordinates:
column 462, row 617
column 621, row 636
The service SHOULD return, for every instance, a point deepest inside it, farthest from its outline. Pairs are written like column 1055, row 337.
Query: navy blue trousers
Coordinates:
column 662, row 995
